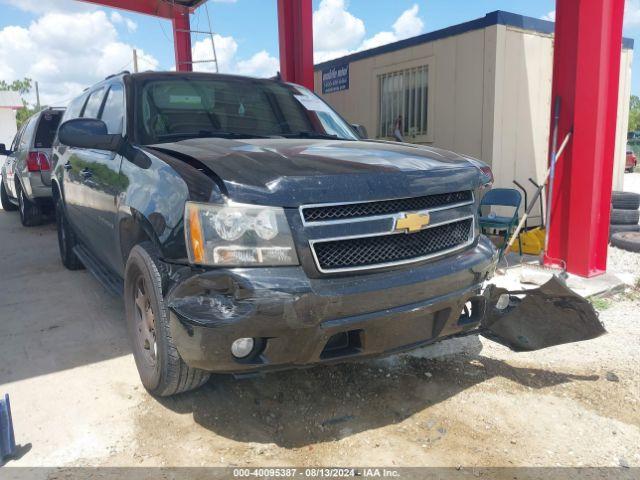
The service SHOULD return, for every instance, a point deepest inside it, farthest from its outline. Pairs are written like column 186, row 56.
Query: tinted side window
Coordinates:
column 92, row 108
column 16, row 139
column 47, row 129
column 74, row 108
column 113, row 111
column 27, row 134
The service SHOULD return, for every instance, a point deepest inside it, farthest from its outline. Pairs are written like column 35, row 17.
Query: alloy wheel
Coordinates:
column 145, row 323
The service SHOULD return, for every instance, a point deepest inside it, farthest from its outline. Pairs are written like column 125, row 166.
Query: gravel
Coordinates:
column 78, row 401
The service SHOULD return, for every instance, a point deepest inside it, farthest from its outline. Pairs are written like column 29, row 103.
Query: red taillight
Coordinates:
column 37, row 161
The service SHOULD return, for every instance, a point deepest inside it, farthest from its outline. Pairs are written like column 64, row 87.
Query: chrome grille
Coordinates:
column 381, row 250
column 327, row 213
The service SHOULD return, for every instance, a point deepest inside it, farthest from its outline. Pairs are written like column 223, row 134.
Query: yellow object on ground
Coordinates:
column 532, row 242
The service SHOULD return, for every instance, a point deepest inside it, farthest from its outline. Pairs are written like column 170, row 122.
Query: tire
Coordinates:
column 162, row 371
column 30, row 214
column 7, row 205
column 625, row 217
column 623, row 228
column 627, row 241
column 67, row 240
column 625, row 200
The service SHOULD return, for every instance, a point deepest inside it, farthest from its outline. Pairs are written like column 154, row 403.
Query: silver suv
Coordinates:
column 26, row 173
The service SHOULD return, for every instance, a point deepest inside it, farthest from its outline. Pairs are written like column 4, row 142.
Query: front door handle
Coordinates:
column 86, row 173
column 68, row 166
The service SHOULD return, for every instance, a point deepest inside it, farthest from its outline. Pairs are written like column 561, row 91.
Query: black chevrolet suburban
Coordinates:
column 250, row 228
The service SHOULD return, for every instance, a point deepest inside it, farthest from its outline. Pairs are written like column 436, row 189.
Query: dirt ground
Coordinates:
column 77, row 400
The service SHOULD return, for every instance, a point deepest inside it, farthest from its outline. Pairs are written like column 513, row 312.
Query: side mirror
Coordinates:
column 360, row 130
column 4, row 151
column 88, row 133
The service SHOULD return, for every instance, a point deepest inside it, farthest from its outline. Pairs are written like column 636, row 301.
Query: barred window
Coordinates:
column 404, row 94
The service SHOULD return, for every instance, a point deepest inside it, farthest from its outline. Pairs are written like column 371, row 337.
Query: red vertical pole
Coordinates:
column 586, row 72
column 295, row 27
column 182, row 38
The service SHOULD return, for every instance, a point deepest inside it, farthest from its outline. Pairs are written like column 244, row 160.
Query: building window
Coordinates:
column 404, row 94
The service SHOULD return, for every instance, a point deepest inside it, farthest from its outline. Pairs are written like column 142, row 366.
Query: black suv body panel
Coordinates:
column 299, row 315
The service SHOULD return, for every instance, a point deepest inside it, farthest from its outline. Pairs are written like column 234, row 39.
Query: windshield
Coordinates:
column 181, row 108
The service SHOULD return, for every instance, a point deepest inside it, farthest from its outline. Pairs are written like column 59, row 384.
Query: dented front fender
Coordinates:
column 539, row 318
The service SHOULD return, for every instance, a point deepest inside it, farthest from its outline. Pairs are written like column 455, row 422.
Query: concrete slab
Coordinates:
column 528, row 275
column 51, row 319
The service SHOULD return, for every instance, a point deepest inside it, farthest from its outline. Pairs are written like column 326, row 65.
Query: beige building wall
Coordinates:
column 623, row 119
column 456, row 90
column 523, row 69
column 522, row 109
column 489, row 97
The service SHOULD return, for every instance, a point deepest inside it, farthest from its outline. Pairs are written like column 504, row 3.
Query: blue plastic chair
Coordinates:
column 502, row 197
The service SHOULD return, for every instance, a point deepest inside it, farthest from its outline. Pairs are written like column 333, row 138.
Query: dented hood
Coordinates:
column 289, row 173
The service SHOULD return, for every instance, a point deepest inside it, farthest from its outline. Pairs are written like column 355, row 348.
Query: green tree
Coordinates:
column 23, row 87
column 634, row 114
column 24, row 113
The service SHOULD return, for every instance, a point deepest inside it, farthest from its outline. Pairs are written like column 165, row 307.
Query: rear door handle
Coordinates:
column 68, row 166
column 86, row 173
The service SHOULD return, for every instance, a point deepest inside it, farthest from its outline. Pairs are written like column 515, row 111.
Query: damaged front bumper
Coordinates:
column 535, row 319
column 296, row 321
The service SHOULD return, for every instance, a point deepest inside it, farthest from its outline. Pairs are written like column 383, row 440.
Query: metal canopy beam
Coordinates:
column 295, row 27
column 178, row 12
column 182, row 40
column 586, row 72
column 156, row 8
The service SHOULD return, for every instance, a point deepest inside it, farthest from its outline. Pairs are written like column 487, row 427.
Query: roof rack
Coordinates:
column 123, row 72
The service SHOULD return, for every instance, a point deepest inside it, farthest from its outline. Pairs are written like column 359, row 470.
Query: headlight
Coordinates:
column 238, row 235
column 230, row 224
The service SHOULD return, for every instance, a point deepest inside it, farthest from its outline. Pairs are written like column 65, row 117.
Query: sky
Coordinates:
column 67, row 45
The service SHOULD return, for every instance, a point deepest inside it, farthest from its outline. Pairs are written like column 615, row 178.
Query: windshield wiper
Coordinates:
column 307, row 134
column 208, row 134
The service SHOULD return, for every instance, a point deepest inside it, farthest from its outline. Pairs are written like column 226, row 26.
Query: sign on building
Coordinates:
column 335, row 79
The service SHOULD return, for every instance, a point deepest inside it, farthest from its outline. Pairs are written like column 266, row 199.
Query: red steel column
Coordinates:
column 295, row 26
column 182, row 38
column 586, row 72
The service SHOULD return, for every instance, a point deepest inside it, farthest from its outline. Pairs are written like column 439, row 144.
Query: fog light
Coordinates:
column 503, row 301
column 242, row 347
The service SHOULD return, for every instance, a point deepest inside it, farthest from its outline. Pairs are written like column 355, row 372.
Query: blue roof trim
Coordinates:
column 519, row 21
column 498, row 17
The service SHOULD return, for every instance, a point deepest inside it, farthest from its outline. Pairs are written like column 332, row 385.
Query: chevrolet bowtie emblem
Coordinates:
column 412, row 222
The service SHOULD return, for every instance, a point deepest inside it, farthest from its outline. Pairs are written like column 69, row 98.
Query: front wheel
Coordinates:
column 162, row 370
